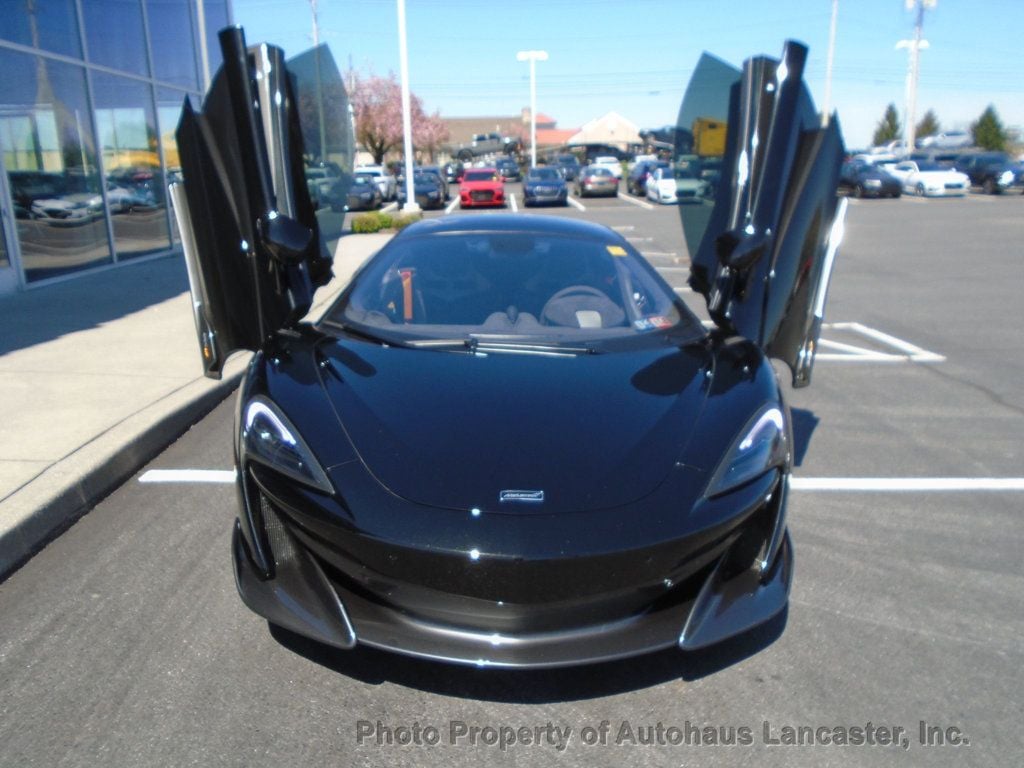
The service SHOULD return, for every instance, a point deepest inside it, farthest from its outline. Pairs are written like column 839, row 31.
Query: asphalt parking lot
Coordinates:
column 124, row 642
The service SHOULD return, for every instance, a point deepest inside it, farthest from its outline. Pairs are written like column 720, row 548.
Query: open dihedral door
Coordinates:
column 762, row 256
column 250, row 235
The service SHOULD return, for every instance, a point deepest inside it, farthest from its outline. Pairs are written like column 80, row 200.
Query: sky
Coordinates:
column 635, row 57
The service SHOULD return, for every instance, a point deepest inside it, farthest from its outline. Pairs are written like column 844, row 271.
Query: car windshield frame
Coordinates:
column 470, row 273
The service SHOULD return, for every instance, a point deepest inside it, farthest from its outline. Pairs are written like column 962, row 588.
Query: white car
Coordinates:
column 77, row 207
column 385, row 182
column 611, row 163
column 929, row 179
column 673, row 185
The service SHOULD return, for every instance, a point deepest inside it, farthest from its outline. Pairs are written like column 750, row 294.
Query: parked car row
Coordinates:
column 991, row 172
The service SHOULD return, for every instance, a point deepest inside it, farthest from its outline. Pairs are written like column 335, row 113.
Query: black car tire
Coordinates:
column 989, row 186
column 920, row 190
column 858, row 191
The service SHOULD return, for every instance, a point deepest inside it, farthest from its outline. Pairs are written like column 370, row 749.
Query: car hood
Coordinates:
column 459, row 431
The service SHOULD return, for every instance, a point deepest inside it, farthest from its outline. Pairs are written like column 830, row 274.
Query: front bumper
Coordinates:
column 340, row 596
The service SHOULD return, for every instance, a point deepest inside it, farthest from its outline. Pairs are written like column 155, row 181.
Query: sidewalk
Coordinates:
column 99, row 374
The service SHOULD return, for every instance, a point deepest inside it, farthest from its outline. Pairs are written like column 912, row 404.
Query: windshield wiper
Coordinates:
column 473, row 343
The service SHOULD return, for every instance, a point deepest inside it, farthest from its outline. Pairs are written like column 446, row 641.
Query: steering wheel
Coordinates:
column 572, row 290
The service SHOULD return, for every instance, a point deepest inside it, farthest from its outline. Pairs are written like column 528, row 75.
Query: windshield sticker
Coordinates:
column 650, row 323
column 616, row 250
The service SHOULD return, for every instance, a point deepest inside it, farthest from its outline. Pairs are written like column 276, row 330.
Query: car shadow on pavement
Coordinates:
column 534, row 686
column 804, row 424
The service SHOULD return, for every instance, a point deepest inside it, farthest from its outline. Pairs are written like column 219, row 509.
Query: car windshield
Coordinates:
column 931, row 167
column 597, row 171
column 479, row 176
column 684, row 173
column 543, row 174
column 568, row 160
column 536, row 288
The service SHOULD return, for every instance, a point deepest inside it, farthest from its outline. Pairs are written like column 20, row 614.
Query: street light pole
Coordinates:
column 403, row 59
column 533, row 57
column 827, row 106
column 915, row 46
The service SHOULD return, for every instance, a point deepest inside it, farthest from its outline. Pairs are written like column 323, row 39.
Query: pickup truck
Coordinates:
column 486, row 144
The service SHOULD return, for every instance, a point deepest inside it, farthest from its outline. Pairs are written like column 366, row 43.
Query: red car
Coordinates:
column 481, row 186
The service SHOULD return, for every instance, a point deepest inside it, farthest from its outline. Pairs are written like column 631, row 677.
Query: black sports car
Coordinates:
column 508, row 442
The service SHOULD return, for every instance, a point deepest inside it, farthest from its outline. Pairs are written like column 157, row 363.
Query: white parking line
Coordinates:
column 512, row 202
column 188, row 476
column 869, row 484
column 390, row 207
column 667, row 254
column 683, row 289
column 451, row 206
column 639, row 203
column 909, row 351
column 624, row 228
column 907, row 483
column 576, row 203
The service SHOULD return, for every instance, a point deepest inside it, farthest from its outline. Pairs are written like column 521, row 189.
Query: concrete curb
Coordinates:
column 52, row 502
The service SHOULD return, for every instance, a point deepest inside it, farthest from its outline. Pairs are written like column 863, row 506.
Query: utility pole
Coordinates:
column 827, row 106
column 403, row 61
column 915, row 46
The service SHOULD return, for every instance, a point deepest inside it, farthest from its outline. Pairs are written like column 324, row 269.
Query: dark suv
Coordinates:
column 994, row 172
column 569, row 166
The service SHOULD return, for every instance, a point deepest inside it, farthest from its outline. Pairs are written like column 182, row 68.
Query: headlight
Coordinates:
column 762, row 445
column 269, row 438
column 1006, row 178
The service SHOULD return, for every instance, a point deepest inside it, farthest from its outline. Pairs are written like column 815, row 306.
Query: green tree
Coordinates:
column 888, row 127
column 928, row 126
column 988, row 131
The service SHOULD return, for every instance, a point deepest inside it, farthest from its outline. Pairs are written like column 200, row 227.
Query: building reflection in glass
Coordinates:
column 50, row 157
column 126, row 126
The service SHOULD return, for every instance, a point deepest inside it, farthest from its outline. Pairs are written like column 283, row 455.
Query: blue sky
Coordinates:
column 635, row 56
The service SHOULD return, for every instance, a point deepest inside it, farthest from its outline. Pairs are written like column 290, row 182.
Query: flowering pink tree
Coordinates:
column 429, row 133
column 377, row 103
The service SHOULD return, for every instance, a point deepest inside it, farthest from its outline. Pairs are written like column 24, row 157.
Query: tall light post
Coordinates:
column 533, row 57
column 827, row 106
column 403, row 62
column 915, row 46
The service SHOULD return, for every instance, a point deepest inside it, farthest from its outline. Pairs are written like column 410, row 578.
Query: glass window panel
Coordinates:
column 50, row 157
column 114, row 32
column 47, row 24
column 168, row 107
column 126, row 126
column 216, row 12
column 170, row 33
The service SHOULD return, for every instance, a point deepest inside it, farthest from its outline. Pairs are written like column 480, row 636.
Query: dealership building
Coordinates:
column 89, row 100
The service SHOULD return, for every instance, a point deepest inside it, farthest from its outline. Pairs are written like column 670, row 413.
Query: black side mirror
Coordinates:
column 286, row 239
column 739, row 249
